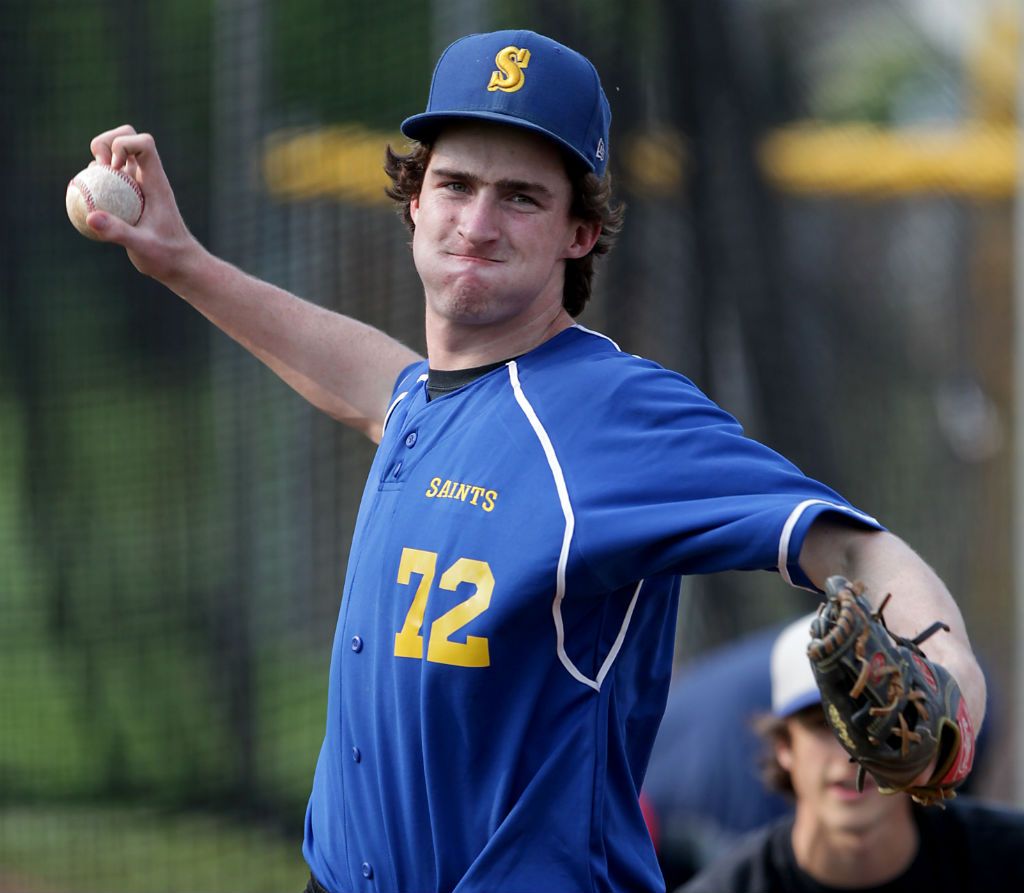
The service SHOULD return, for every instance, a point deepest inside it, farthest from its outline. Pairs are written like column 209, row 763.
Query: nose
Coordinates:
column 842, row 768
column 478, row 220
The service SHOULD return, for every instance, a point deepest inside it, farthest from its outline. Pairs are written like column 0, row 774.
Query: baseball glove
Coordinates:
column 894, row 711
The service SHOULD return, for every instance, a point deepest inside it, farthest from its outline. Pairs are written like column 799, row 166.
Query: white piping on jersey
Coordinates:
column 598, row 334
column 620, row 638
column 790, row 526
column 606, row 338
column 395, row 402
column 563, row 557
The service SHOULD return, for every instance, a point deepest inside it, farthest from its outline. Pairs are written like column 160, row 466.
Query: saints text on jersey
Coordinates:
column 443, row 488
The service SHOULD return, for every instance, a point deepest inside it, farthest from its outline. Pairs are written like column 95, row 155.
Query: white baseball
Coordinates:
column 101, row 188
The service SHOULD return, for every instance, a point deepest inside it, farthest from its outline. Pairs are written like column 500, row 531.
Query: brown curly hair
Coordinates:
column 591, row 201
column 772, row 730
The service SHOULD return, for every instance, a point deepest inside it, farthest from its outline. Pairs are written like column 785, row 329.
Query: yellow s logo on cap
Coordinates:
column 509, row 77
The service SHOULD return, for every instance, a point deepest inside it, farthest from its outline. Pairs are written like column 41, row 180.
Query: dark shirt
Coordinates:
column 442, row 381
column 966, row 847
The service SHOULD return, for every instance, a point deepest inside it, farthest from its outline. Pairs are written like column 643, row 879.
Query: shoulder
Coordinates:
column 583, row 372
column 989, row 836
column 595, row 352
column 751, row 866
column 408, row 377
column 974, row 815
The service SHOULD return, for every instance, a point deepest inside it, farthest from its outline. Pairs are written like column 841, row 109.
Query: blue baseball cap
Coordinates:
column 522, row 79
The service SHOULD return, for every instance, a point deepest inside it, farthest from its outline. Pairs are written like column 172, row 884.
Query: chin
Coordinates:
column 467, row 309
column 862, row 813
column 473, row 304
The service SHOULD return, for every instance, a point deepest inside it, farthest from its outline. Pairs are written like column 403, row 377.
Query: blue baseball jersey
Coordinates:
column 504, row 644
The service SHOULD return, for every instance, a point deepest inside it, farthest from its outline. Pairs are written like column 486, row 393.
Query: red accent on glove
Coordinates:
column 965, row 758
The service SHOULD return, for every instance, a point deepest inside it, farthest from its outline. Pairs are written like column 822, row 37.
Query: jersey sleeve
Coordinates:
column 669, row 483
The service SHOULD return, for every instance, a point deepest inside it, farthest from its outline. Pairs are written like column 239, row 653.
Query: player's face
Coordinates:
column 493, row 229
column 824, row 780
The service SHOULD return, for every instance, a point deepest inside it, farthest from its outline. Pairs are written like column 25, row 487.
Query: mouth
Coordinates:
column 845, row 790
column 473, row 258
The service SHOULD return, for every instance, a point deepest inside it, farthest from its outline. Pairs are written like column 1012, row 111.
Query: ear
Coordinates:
column 783, row 752
column 584, row 237
column 414, row 207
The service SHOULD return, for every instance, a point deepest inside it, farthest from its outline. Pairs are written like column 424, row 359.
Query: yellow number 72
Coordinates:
column 441, row 649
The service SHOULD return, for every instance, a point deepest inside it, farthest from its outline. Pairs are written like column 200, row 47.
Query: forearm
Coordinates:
column 341, row 365
column 886, row 564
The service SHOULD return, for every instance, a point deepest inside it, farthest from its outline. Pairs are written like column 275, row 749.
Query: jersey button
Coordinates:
column 410, row 440
column 357, row 644
column 357, row 754
column 367, row 870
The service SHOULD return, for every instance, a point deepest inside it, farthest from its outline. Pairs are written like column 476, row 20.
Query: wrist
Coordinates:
column 187, row 267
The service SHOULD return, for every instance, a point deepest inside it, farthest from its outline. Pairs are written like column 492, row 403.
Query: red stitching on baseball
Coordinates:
column 134, row 186
column 86, row 193
column 130, row 181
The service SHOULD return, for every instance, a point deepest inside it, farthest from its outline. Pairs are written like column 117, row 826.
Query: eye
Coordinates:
column 455, row 186
column 521, row 198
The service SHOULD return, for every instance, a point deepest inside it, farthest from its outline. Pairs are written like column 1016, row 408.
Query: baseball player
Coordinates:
column 842, row 838
column 504, row 642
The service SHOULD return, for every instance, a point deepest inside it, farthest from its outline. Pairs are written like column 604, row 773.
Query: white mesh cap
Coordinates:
column 793, row 685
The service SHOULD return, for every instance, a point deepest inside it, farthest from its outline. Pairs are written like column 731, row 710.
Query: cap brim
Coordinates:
column 424, row 127
column 796, row 704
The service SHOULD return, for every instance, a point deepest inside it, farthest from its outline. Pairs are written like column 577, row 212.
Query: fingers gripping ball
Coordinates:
column 893, row 710
column 101, row 188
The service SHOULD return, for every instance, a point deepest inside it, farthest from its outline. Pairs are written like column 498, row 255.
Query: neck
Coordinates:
column 454, row 345
column 855, row 858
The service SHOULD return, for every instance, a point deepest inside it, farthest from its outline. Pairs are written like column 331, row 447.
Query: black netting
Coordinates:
column 174, row 521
